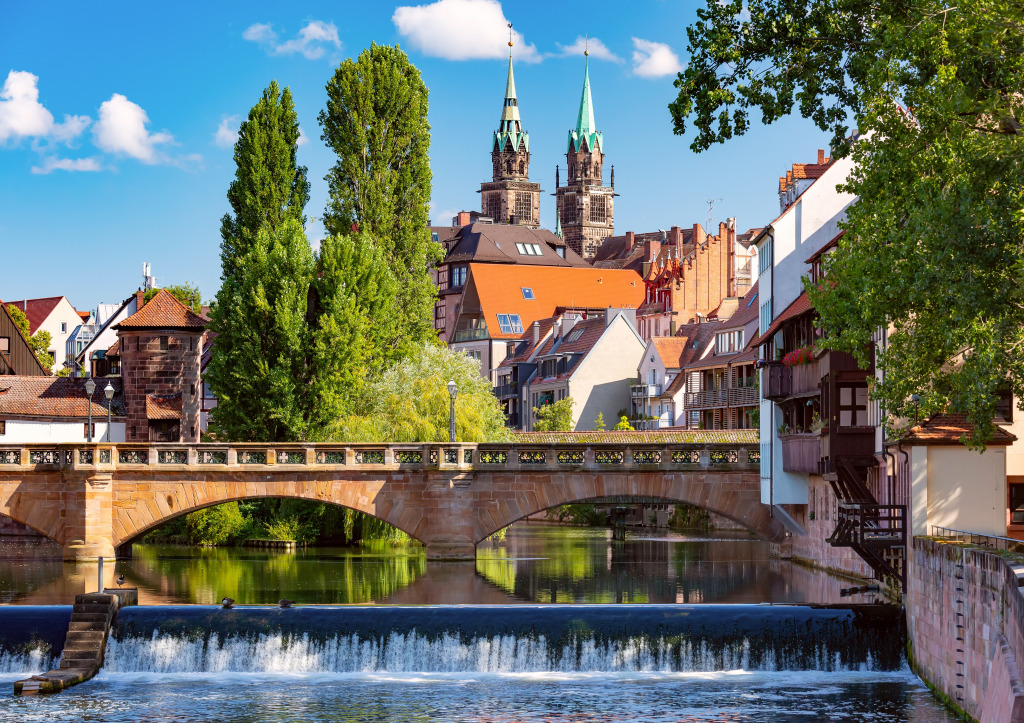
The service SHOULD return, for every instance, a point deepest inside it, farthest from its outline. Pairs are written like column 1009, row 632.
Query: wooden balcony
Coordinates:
column 728, row 397
column 801, row 452
column 778, row 381
column 806, row 379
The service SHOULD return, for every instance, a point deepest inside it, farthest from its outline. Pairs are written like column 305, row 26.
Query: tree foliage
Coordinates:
column 409, row 402
column 187, row 293
column 556, row 417
column 376, row 123
column 269, row 185
column 932, row 251
column 623, row 425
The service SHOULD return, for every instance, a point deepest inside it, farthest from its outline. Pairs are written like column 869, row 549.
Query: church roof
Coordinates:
column 585, row 132
column 510, row 131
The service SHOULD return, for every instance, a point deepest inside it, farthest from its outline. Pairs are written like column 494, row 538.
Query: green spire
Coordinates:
column 585, row 125
column 510, row 129
column 558, row 226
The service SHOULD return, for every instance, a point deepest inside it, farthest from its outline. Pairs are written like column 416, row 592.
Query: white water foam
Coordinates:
column 414, row 653
column 32, row 662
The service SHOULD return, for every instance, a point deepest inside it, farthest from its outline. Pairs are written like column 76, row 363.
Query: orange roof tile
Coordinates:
column 499, row 290
column 57, row 397
column 163, row 407
column 670, row 349
column 948, row 428
column 800, row 305
column 163, row 311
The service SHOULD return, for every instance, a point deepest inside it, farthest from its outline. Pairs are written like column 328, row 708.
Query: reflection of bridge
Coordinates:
column 92, row 499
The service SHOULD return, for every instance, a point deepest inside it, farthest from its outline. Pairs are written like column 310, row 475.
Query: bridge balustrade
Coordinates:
column 461, row 456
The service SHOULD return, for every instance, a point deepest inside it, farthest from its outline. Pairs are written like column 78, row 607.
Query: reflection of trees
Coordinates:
column 586, row 566
column 316, row 575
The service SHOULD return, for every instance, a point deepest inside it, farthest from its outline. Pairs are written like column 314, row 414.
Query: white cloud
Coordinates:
column 122, row 129
column 226, row 135
column 22, row 115
column 303, row 138
column 461, row 30
column 312, row 40
column 654, row 60
column 52, row 163
column 597, row 49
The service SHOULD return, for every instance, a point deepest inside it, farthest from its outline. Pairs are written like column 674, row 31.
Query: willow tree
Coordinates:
column 376, row 123
column 269, row 186
column 932, row 250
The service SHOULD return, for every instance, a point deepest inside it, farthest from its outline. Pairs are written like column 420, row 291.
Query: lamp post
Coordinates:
column 90, row 387
column 453, row 391
column 108, row 392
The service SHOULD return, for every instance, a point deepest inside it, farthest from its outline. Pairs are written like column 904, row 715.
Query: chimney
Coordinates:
column 138, row 299
column 568, row 322
column 462, row 219
column 821, row 156
column 652, row 247
column 630, row 241
column 675, row 236
column 536, row 333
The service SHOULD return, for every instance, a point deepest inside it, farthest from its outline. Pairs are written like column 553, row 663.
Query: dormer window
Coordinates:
column 528, row 249
column 510, row 324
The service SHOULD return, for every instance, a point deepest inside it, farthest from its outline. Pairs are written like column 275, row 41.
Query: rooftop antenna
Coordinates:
column 711, row 205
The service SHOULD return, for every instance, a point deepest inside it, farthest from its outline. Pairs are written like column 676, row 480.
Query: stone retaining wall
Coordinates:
column 988, row 605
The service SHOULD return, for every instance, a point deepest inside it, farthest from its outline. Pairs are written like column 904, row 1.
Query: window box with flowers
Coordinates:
column 804, row 369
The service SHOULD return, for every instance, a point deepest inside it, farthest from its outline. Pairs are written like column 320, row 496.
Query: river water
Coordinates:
column 558, row 624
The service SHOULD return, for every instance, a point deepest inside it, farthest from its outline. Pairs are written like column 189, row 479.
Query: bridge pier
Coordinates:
column 450, row 550
column 88, row 517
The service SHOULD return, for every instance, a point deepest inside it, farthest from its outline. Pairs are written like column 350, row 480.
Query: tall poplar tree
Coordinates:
column 376, row 123
column 270, row 186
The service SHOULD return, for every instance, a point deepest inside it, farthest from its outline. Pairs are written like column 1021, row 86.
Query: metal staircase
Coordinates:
column 877, row 532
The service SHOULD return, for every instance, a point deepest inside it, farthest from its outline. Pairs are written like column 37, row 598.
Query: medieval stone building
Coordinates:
column 510, row 197
column 585, row 206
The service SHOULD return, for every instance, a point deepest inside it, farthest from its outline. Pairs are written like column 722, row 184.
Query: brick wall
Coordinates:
column 981, row 596
column 147, row 369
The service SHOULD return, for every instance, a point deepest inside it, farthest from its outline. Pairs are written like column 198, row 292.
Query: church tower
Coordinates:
column 585, row 206
column 510, row 197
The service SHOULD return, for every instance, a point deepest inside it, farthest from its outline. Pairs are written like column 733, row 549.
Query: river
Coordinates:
column 560, row 624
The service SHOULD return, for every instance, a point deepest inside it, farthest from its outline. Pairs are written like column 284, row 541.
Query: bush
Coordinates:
column 218, row 525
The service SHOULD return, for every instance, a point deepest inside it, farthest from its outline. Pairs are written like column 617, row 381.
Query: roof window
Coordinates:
column 510, row 324
column 528, row 249
column 574, row 335
column 527, row 293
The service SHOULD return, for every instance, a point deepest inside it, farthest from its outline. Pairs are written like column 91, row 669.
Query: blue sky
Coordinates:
column 116, row 121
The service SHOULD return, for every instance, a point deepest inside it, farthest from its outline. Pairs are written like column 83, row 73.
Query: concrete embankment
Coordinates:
column 965, row 618
column 85, row 643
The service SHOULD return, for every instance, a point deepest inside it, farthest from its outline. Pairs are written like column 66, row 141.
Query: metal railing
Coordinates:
column 994, row 542
column 646, row 390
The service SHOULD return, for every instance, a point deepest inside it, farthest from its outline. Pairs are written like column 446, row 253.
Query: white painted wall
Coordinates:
column 600, row 384
column 963, row 490
column 63, row 313
column 38, row 432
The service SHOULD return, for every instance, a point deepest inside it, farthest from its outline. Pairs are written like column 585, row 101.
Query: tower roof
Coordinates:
column 585, row 125
column 510, row 130
column 163, row 311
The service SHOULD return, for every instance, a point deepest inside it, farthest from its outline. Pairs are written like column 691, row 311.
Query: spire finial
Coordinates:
column 510, row 38
column 586, row 45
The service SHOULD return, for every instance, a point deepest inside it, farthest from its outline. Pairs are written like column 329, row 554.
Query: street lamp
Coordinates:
column 108, row 392
column 90, row 387
column 453, row 391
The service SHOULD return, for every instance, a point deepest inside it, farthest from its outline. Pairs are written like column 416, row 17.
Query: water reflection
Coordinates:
column 537, row 563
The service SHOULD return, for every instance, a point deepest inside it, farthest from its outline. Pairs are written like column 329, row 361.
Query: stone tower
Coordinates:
column 510, row 197
column 161, row 348
column 584, row 206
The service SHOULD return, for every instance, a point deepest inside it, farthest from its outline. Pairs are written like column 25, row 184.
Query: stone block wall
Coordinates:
column 147, row 369
column 965, row 619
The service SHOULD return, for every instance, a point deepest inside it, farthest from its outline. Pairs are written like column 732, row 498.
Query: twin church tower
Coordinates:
column 584, row 206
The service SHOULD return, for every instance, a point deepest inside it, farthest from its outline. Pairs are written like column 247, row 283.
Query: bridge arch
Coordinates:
column 733, row 496
column 49, row 528
column 160, row 502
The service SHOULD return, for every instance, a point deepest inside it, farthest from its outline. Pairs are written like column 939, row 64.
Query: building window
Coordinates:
column 439, row 311
column 1004, row 407
column 89, row 434
column 193, row 390
column 5, row 344
column 133, row 432
column 764, row 316
column 568, row 209
column 527, row 293
column 3, row 426
column 729, row 342
column 765, row 257
column 163, row 343
column 510, row 324
column 528, row 249
column 63, row 327
column 434, row 238
column 853, row 406
column 524, row 206
column 598, row 209
column 458, row 276
column 1016, row 502
column 560, row 251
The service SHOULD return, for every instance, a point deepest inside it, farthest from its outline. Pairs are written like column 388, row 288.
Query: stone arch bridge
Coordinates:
column 93, row 499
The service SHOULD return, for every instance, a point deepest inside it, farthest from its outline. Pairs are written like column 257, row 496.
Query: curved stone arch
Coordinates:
column 165, row 501
column 735, row 497
column 40, row 524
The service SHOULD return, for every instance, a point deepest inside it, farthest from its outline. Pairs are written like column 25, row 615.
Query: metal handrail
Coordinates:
column 977, row 538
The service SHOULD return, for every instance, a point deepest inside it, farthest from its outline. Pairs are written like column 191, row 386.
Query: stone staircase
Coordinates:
column 82, row 656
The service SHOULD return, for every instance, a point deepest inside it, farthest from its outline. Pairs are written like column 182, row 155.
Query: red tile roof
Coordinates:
column 670, row 349
column 826, row 248
column 163, row 311
column 36, row 310
column 62, row 397
column 801, row 305
column 84, row 315
column 948, row 429
column 163, row 407
column 499, row 290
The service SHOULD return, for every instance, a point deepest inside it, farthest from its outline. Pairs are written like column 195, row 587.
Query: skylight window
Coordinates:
column 527, row 293
column 574, row 335
column 521, row 248
column 529, row 249
column 510, row 324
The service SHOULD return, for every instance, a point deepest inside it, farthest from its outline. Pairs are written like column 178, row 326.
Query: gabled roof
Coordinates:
column 7, row 364
column 36, row 310
column 496, row 243
column 525, row 347
column 746, row 311
column 498, row 289
column 163, row 311
column 670, row 349
column 800, row 305
column 947, row 429
column 63, row 397
column 166, row 406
